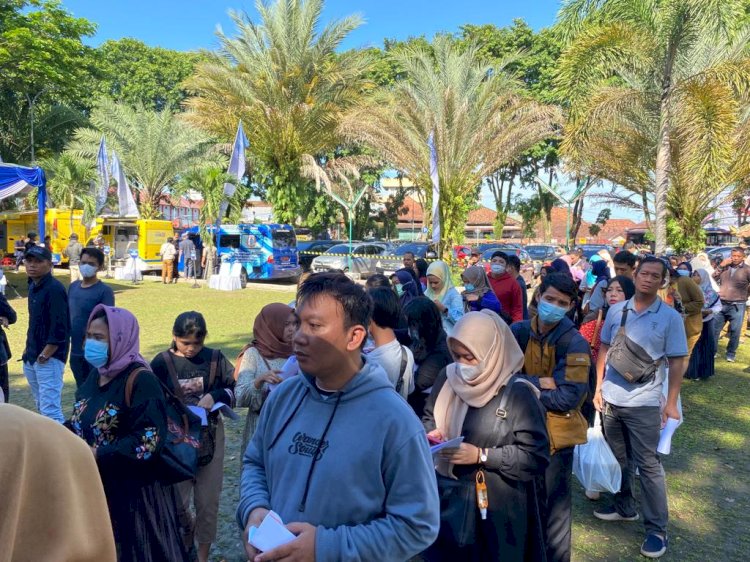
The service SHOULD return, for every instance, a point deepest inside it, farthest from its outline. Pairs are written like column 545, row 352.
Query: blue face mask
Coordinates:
column 469, row 287
column 683, row 272
column 88, row 270
column 96, row 352
column 399, row 289
column 550, row 313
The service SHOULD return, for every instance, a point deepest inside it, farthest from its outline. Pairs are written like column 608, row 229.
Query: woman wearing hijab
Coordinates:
column 478, row 294
column 701, row 365
column 600, row 277
column 126, row 437
column 688, row 299
column 441, row 291
column 428, row 345
column 508, row 453
column 616, row 290
column 53, row 505
column 405, row 284
column 261, row 361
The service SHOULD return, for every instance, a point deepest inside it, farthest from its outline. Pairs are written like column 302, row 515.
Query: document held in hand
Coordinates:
column 665, row 439
column 450, row 444
column 270, row 534
column 223, row 408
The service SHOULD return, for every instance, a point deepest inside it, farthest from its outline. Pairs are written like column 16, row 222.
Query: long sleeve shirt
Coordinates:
column 734, row 282
column 48, row 319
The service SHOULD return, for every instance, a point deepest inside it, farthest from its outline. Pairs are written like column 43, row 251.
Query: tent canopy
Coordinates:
column 19, row 180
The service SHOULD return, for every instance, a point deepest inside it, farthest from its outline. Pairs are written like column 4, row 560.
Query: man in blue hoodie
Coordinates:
column 337, row 453
column 557, row 360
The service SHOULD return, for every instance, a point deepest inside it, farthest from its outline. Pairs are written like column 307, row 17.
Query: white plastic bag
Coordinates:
column 594, row 464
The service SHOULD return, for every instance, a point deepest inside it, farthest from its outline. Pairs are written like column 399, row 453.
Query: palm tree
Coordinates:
column 649, row 82
column 155, row 147
column 284, row 79
column 69, row 184
column 479, row 118
column 209, row 183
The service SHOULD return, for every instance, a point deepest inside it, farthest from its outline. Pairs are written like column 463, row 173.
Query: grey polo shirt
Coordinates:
column 660, row 330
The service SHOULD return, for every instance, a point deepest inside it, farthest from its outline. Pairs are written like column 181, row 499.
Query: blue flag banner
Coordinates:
column 435, row 189
column 127, row 205
column 18, row 180
column 102, row 167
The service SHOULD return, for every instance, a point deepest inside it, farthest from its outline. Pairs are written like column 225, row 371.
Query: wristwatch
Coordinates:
column 483, row 455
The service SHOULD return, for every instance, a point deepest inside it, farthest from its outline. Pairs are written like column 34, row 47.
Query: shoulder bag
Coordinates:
column 630, row 359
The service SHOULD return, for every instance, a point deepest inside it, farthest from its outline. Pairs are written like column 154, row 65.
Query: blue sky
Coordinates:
column 191, row 24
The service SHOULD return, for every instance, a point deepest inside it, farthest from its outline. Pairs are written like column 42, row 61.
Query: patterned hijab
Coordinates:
column 124, row 340
column 710, row 293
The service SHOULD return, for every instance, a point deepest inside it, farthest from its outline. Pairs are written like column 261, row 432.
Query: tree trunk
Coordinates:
column 663, row 155
column 575, row 225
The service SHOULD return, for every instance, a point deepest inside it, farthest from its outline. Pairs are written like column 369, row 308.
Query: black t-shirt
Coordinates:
column 193, row 375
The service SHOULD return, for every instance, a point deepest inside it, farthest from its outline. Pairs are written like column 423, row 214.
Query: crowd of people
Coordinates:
column 347, row 389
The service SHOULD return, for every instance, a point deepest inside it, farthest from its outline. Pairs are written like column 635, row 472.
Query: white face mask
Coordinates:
column 497, row 268
column 469, row 372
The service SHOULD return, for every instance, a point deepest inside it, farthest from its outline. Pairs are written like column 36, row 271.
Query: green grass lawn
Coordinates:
column 708, row 472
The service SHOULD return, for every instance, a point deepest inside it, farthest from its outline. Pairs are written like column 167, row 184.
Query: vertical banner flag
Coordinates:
column 102, row 167
column 236, row 166
column 435, row 189
column 127, row 205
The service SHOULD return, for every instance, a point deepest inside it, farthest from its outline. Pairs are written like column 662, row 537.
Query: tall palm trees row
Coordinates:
column 653, row 96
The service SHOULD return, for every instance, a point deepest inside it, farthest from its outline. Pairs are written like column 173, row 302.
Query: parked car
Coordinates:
column 527, row 264
column 389, row 264
column 591, row 249
column 361, row 263
column 312, row 248
column 541, row 252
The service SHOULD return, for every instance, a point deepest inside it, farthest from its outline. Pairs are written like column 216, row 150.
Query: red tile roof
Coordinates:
column 483, row 216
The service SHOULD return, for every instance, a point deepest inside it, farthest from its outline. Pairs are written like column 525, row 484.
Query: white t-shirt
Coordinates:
column 388, row 356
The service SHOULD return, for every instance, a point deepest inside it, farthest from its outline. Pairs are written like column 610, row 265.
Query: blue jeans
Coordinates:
column 734, row 313
column 46, row 382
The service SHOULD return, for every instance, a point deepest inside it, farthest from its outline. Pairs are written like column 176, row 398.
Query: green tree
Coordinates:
column 132, row 72
column 529, row 211
column 654, row 90
column 69, row 183
column 155, row 147
column 43, row 65
column 209, row 182
column 285, row 80
column 476, row 113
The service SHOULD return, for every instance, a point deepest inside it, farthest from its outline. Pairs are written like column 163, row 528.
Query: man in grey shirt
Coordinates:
column 631, row 412
column 188, row 255
column 73, row 253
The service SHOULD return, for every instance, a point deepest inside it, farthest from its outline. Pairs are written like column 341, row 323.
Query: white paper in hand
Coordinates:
column 665, row 439
column 270, row 534
column 225, row 410
column 290, row 369
column 201, row 413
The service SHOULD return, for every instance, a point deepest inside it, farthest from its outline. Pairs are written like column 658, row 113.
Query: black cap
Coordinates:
column 38, row 252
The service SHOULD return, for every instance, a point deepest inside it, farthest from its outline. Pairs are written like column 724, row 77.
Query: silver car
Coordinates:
column 360, row 265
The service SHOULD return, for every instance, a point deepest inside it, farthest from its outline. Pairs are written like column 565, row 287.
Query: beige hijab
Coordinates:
column 52, row 503
column 490, row 340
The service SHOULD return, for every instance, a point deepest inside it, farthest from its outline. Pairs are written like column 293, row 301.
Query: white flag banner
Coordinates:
column 127, row 205
column 102, row 167
column 237, row 160
column 435, row 189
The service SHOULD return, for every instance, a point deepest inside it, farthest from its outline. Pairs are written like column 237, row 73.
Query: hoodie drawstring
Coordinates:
column 317, row 452
column 289, row 419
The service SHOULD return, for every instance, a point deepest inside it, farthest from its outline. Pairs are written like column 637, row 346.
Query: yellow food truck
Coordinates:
column 124, row 236
column 59, row 225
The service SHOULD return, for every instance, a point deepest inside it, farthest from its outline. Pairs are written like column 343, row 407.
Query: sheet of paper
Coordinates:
column 270, row 534
column 200, row 412
column 288, row 370
column 665, row 440
column 450, row 444
column 225, row 410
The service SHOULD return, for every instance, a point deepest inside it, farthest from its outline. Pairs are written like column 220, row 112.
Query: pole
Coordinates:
column 567, row 229
column 351, row 231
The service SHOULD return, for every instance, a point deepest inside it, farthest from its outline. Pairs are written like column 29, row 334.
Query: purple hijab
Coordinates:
column 124, row 342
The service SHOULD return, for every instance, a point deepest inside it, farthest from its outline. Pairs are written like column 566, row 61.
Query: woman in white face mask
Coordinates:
column 441, row 291
column 504, row 452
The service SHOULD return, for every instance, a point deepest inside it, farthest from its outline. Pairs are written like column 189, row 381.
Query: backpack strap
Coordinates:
column 130, row 383
column 172, row 370
column 502, row 411
column 213, row 368
column 239, row 359
column 402, row 370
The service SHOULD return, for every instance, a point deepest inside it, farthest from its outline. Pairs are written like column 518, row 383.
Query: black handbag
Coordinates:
column 178, row 458
column 458, row 509
column 207, row 432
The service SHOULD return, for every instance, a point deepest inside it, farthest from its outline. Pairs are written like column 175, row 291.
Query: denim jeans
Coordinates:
column 633, row 435
column 46, row 382
column 734, row 313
